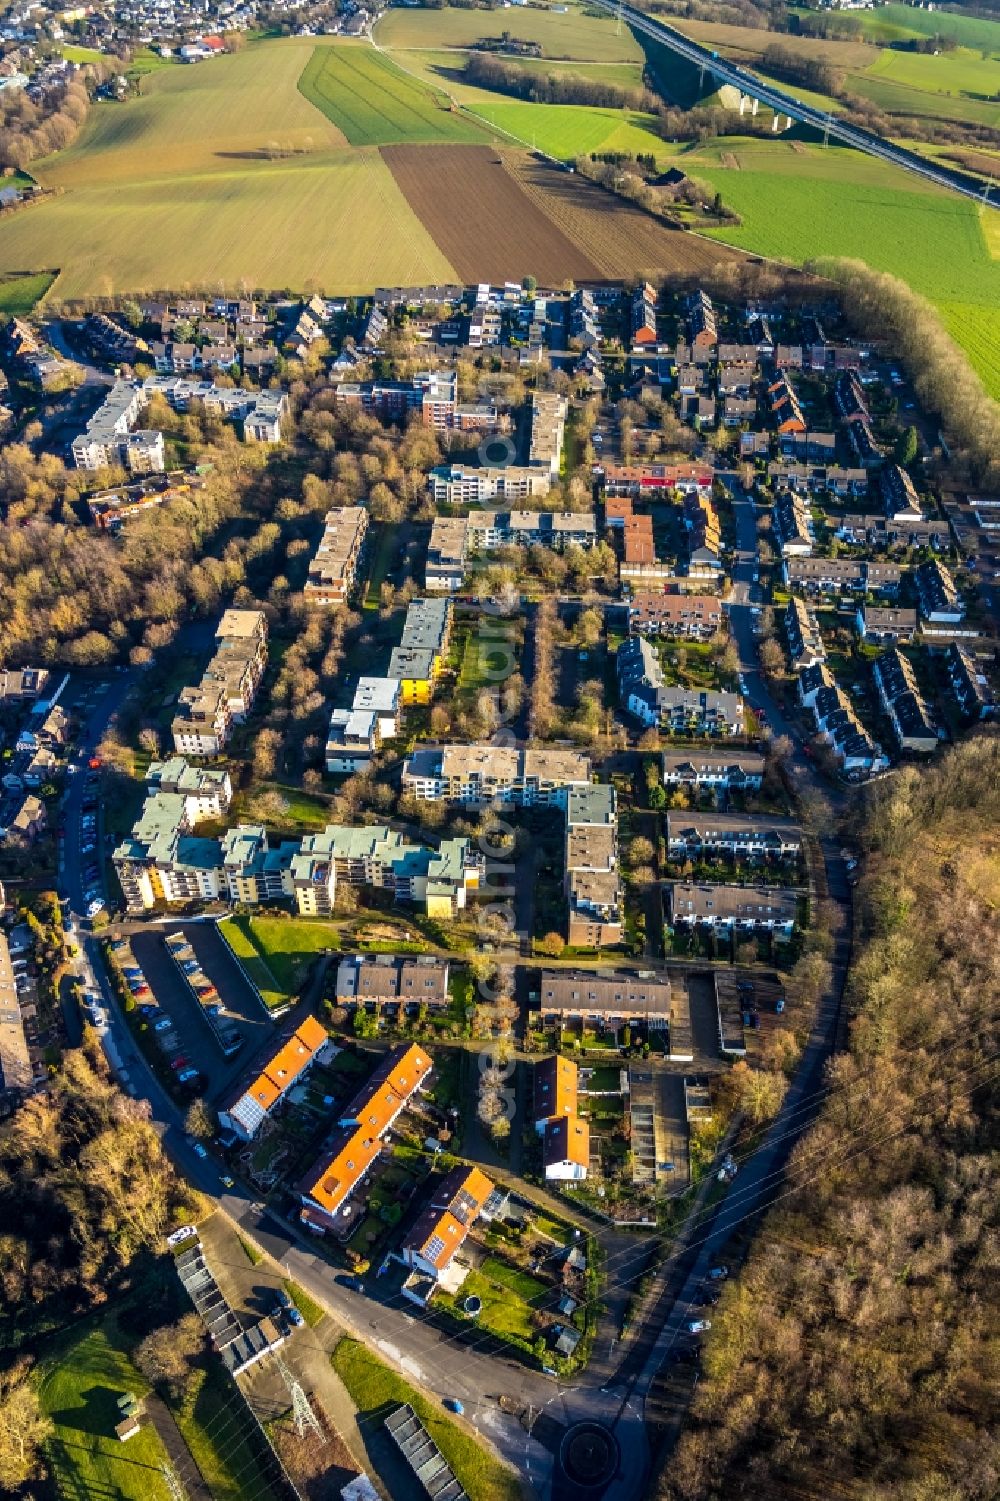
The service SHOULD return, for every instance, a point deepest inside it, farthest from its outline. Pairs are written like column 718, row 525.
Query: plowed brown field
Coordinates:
column 481, row 220
column 623, row 241
column 498, row 214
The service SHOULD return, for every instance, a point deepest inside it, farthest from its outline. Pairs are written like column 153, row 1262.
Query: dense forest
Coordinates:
column 857, row 1354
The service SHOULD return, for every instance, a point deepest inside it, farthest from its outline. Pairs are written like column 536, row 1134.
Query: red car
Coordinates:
column 179, row 1063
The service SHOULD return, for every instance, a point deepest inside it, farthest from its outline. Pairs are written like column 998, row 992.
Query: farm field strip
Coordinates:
column 564, row 130
column 901, row 21
column 374, row 103
column 573, row 35
column 336, row 221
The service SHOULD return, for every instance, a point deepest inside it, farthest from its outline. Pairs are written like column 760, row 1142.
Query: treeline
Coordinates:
column 84, row 1187
column 881, row 306
column 811, row 72
column 488, row 72
column 856, row 1355
column 30, row 128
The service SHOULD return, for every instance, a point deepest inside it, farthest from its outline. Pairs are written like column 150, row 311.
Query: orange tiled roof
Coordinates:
column 556, row 1086
column 567, row 1139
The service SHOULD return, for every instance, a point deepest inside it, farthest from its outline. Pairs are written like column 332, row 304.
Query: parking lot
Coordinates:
column 199, row 1043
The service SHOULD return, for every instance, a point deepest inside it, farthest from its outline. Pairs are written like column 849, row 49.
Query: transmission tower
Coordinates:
column 302, row 1414
column 172, row 1482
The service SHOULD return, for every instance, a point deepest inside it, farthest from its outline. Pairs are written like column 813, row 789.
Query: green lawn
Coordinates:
column 19, row 292
column 222, row 1437
column 278, row 953
column 376, row 1389
column 573, row 34
column 80, row 1392
column 522, row 1283
column 502, row 1314
column 308, row 1307
column 375, row 104
column 81, row 54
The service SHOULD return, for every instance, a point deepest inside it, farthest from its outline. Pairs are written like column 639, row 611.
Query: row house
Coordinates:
column 639, row 480
column 432, row 1243
column 809, row 447
column 247, row 1106
column 360, row 1136
column 713, row 770
column 732, row 909
column 970, row 687
column 814, row 480
column 900, row 696
column 804, row 637
column 880, row 625
column 565, row 1134
column 694, row 617
column 391, row 983
column 702, row 326
column 786, row 410
column 939, row 599
column 733, row 836
column 793, row 526
column 626, row 997
column 879, row 533
column 837, row 723
column 838, row 575
column 899, row 495
column 642, row 314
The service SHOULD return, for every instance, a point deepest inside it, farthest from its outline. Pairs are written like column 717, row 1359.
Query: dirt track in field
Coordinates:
column 481, row 220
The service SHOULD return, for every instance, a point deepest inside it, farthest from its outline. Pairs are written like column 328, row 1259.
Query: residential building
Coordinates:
column 225, row 696
column 733, row 836
column 438, row 880
column 28, row 824
column 899, row 692
column 479, row 774
column 22, row 684
column 805, row 640
column 250, row 1104
column 643, row 694
column 455, row 484
column 593, row 878
column 418, row 661
column 881, row 626
column 259, row 411
column 733, row 771
column 399, row 984
column 548, row 423
column 566, row 1149
column 444, row 568
column 207, row 792
column 352, row 739
column 557, row 1082
column 940, row 601
column 326, row 1189
column 16, row 1072
column 970, row 687
column 555, row 529
column 642, row 314
column 334, row 566
column 696, row 617
column 430, row 1246
column 601, row 1000
column 110, row 437
column 380, row 696
column 728, row 909
column 878, row 532
column 702, row 329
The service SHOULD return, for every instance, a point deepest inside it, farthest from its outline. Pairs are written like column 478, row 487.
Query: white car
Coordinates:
column 95, row 906
column 699, row 1326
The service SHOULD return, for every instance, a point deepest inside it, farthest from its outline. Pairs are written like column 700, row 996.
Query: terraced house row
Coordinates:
column 207, row 712
column 334, row 565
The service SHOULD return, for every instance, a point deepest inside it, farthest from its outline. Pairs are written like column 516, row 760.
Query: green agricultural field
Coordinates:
column 80, row 1392
column 373, row 103
column 575, row 34
column 335, row 220
column 568, row 130
column 82, row 54
column 797, row 204
column 19, row 293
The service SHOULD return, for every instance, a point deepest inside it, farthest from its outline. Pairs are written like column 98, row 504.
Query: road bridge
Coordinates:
column 829, row 124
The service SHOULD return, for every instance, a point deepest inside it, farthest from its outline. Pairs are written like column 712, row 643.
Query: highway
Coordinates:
column 827, row 123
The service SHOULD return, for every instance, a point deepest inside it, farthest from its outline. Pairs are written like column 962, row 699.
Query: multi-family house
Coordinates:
column 733, row 836
column 289, row 1058
column 805, row 640
column 970, row 687
column 479, row 774
column 727, row 909
column 900, row 695
column 333, row 569
column 392, row 984
column 643, row 693
column 737, row 771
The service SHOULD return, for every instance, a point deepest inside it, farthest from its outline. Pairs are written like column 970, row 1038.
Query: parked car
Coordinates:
column 199, row 1150
column 699, row 1326
column 454, row 1405
column 189, row 1076
column 719, row 1273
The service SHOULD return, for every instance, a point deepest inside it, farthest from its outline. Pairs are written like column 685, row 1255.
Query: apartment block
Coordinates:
column 548, row 426
column 593, row 883
column 111, row 436
column 225, row 696
column 745, row 909
column 334, row 567
column 455, row 484
column 479, row 774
